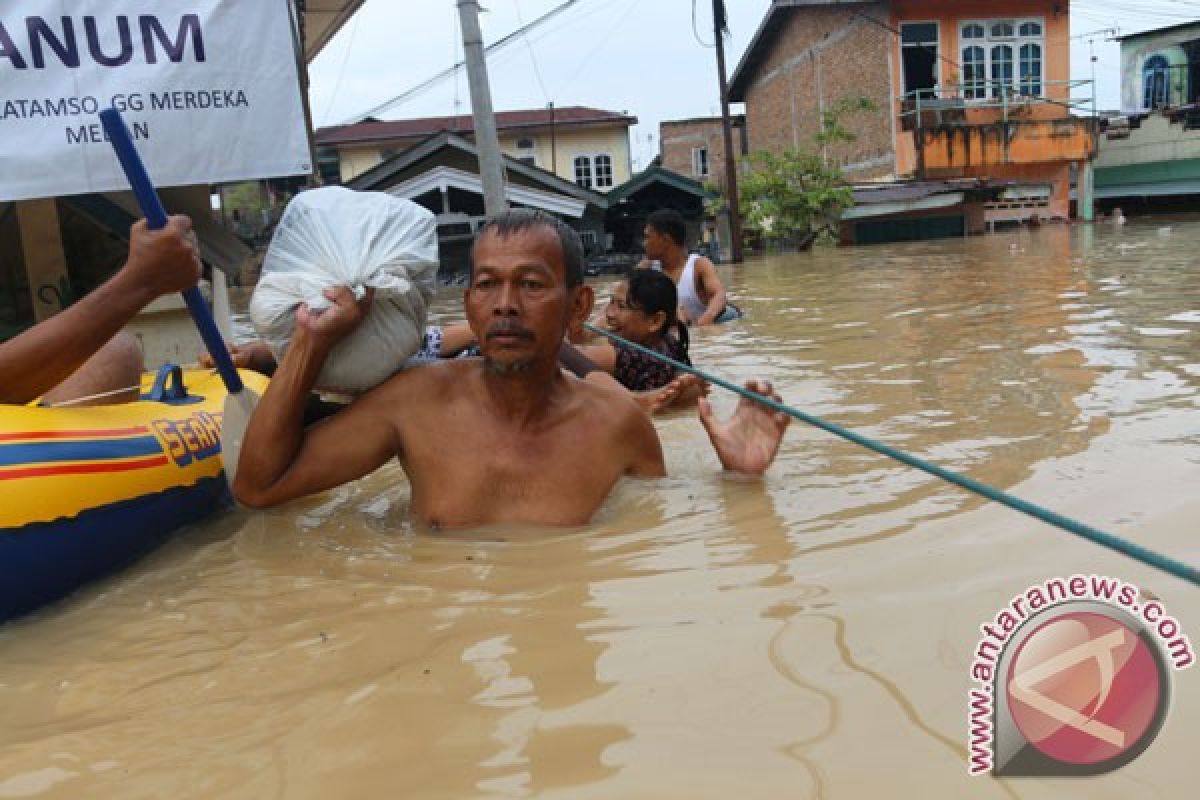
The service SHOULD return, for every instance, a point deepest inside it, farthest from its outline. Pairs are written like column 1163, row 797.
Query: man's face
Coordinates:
column 518, row 303
column 654, row 242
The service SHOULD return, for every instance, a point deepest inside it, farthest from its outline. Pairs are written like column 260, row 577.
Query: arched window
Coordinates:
column 1001, row 57
column 1154, row 80
column 974, row 73
column 1002, row 70
column 1031, row 70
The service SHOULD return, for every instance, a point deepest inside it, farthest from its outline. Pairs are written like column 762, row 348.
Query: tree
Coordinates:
column 794, row 196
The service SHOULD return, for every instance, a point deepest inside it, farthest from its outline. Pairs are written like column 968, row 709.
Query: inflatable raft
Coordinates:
column 84, row 491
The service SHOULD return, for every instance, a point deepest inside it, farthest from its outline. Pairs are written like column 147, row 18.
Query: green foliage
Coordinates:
column 795, row 195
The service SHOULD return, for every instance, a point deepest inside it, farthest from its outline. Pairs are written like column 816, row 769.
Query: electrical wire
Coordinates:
column 337, row 86
column 696, row 31
column 450, row 71
column 601, row 42
column 532, row 57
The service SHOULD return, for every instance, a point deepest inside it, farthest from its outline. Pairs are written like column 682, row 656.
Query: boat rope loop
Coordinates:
column 75, row 401
column 1128, row 548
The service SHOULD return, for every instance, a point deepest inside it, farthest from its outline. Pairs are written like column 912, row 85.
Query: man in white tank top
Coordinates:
column 701, row 293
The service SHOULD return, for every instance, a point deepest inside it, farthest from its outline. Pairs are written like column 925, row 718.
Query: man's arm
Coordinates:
column 713, row 287
column 646, row 456
column 281, row 460
column 160, row 262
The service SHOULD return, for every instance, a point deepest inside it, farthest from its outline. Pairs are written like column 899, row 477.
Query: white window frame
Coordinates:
column 593, row 177
column 585, row 177
column 526, row 155
column 1158, row 69
column 700, row 161
column 1017, row 86
column 937, row 61
column 603, row 179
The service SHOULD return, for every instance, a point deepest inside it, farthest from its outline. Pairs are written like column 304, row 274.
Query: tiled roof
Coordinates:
column 377, row 130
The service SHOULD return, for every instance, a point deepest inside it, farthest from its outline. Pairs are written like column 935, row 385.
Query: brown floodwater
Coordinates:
column 807, row 635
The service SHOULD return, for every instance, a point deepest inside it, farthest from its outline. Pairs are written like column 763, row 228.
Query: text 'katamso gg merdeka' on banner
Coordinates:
column 209, row 89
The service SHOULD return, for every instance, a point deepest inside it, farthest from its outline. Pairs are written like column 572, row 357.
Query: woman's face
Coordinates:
column 625, row 321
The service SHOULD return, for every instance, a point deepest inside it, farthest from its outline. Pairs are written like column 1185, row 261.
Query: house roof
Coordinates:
column 443, row 177
column 323, row 19
column 734, row 119
column 764, row 38
column 1158, row 31
column 391, row 171
column 870, row 194
column 657, row 174
column 383, row 130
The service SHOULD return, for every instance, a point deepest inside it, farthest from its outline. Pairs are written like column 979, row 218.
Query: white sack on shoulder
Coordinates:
column 339, row 237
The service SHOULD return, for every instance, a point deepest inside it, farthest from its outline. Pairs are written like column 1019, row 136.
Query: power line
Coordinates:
column 601, row 41
column 532, row 57
column 696, row 32
column 428, row 82
column 342, row 71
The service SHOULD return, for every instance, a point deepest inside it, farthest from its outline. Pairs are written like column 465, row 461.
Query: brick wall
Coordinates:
column 821, row 56
column 677, row 139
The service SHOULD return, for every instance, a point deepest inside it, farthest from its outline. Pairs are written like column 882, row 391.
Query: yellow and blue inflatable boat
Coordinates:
column 84, row 491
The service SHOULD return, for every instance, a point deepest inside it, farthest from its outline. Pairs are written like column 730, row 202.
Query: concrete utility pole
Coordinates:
column 491, row 168
column 731, row 187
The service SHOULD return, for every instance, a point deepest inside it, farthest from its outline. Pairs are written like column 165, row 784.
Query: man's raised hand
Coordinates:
column 339, row 320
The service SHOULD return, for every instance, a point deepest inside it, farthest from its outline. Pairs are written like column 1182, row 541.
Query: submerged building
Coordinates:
column 1150, row 153
column 960, row 90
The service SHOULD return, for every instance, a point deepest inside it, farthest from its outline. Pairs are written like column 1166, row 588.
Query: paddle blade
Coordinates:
column 238, row 409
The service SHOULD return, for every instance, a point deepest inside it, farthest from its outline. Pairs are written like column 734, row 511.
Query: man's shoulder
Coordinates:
column 611, row 406
column 428, row 380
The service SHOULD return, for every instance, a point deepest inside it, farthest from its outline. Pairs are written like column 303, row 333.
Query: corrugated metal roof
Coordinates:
column 909, row 190
column 379, row 130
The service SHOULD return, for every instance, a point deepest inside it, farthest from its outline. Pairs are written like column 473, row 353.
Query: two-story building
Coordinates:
column 695, row 148
column 1150, row 153
column 586, row 146
column 962, row 89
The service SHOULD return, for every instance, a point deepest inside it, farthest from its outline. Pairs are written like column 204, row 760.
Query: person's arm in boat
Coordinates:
column 160, row 262
column 255, row 355
column 712, row 285
column 282, row 460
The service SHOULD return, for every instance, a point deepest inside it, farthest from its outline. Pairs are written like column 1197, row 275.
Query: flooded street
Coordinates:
column 808, row 635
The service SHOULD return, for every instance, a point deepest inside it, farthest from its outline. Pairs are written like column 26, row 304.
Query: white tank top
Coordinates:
column 688, row 298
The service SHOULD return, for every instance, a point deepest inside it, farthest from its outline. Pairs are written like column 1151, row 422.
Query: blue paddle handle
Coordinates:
column 156, row 217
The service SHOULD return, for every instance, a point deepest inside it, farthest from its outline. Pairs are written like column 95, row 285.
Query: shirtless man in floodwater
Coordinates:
column 507, row 438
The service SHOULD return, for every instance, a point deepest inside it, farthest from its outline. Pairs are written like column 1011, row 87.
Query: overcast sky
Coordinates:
column 638, row 56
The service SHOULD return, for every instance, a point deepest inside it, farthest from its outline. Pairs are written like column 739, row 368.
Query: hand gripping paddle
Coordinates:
column 240, row 401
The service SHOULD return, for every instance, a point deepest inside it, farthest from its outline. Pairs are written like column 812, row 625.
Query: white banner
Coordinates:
column 208, row 88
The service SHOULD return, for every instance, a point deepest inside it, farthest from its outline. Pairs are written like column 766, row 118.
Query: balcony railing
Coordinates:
column 959, row 104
